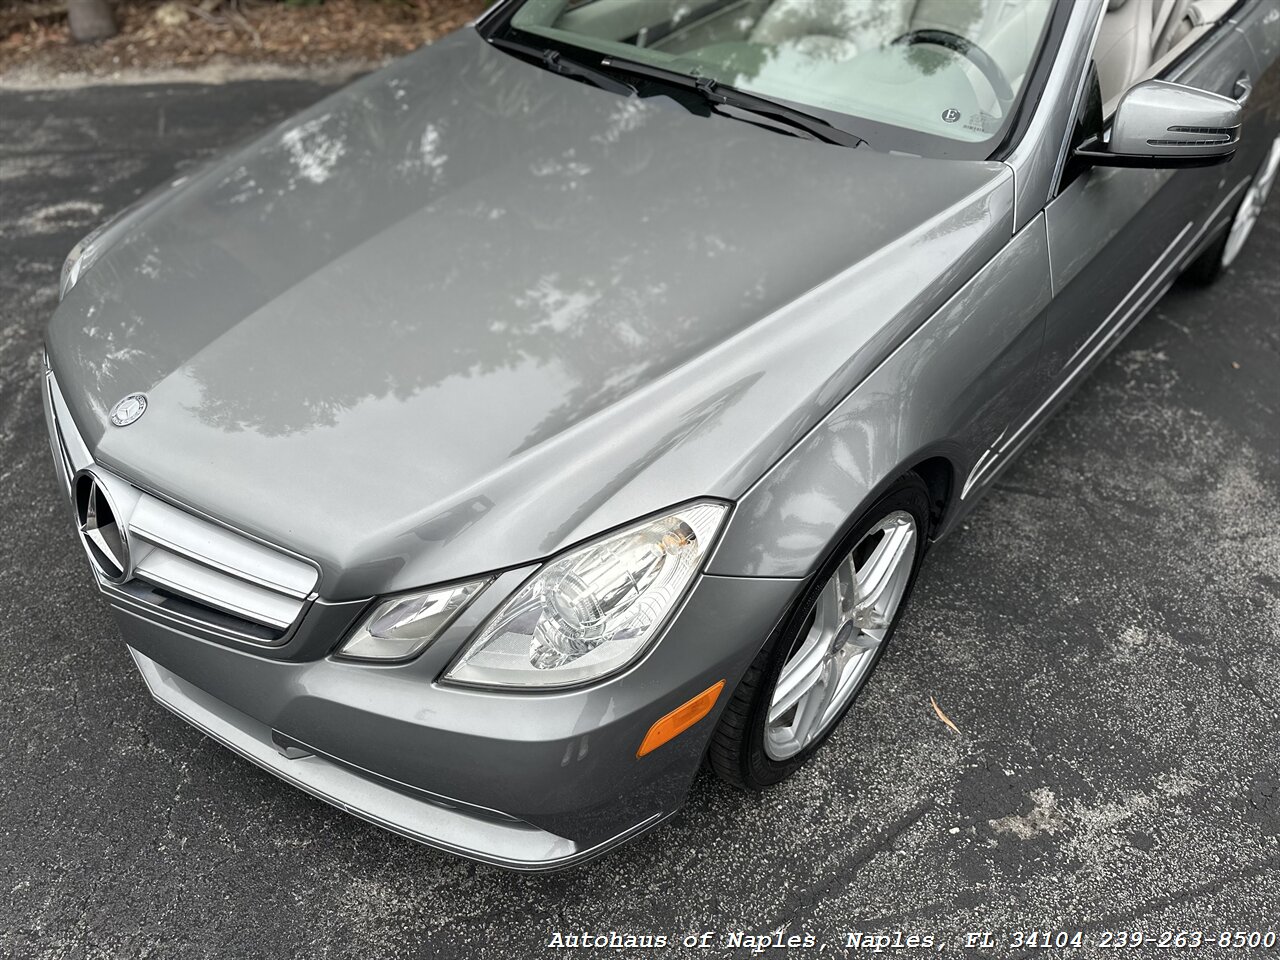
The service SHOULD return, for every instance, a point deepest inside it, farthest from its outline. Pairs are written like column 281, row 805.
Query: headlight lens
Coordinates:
column 593, row 610
column 95, row 243
column 402, row 627
column 79, row 260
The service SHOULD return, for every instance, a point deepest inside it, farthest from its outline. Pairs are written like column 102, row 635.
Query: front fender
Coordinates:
column 951, row 389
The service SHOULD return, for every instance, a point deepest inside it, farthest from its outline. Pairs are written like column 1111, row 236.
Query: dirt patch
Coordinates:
column 161, row 35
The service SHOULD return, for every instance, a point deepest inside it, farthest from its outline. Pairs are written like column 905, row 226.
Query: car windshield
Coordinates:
column 950, row 69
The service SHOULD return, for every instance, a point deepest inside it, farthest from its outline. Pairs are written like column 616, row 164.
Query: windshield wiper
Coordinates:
column 712, row 91
column 557, row 62
column 718, row 93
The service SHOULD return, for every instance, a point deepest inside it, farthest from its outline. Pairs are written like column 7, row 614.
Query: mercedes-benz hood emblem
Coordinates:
column 129, row 409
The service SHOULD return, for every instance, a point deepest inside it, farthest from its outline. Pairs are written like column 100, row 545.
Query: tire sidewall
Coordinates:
column 909, row 494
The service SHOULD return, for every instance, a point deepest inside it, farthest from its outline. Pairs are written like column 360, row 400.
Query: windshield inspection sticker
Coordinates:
column 982, row 122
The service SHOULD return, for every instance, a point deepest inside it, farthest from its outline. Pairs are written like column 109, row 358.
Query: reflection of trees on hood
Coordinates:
column 418, row 230
column 550, row 269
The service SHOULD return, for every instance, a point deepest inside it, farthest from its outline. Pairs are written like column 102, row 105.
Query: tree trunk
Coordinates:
column 91, row 20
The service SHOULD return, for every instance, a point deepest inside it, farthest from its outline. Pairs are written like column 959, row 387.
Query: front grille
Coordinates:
column 187, row 571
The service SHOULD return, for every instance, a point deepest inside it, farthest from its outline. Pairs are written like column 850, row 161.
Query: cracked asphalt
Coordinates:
column 1104, row 632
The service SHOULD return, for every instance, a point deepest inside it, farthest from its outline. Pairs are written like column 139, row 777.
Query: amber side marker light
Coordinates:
column 680, row 719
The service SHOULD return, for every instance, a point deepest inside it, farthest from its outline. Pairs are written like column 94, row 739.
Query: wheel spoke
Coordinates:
column 855, row 660
column 805, row 666
column 850, row 621
column 878, row 579
column 799, row 685
column 846, row 579
column 809, row 718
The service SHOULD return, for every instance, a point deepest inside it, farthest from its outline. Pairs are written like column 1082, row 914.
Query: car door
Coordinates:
column 1119, row 236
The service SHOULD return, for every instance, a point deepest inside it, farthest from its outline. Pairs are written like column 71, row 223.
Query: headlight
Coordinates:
column 401, row 627
column 593, row 610
column 80, row 259
column 95, row 243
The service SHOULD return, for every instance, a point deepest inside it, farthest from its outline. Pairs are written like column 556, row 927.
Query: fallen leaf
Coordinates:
column 943, row 717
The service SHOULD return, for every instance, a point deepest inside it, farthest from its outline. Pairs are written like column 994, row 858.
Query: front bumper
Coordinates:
column 523, row 781
column 529, row 781
column 504, row 842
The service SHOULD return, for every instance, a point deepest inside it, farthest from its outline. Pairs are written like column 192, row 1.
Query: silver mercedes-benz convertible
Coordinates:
column 572, row 403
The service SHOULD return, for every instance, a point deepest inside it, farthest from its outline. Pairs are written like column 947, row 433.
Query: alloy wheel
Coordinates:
column 1251, row 205
column 849, row 622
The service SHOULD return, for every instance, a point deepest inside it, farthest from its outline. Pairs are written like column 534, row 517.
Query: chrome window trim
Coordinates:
column 1082, row 83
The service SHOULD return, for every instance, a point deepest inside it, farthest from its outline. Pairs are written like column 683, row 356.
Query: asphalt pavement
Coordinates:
column 1104, row 633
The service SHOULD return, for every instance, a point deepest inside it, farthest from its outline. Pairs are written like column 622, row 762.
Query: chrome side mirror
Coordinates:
column 1161, row 124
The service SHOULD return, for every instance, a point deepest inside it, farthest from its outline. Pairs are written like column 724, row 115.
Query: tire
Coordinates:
column 1209, row 267
column 750, row 751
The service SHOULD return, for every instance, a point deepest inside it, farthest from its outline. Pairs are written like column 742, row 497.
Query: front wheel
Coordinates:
column 809, row 674
column 1215, row 260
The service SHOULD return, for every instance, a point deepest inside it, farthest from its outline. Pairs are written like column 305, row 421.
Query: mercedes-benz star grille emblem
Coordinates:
column 129, row 409
column 100, row 530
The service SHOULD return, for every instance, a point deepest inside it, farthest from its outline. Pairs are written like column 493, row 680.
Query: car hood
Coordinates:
column 466, row 312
